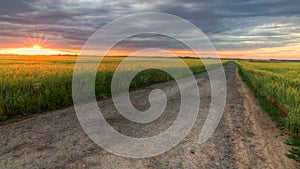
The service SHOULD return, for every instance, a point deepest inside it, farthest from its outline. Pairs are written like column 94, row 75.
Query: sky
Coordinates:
column 260, row 29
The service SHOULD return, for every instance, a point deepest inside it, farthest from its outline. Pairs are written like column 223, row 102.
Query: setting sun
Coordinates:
column 36, row 47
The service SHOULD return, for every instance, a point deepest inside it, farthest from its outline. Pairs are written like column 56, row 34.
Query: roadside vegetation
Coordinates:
column 277, row 86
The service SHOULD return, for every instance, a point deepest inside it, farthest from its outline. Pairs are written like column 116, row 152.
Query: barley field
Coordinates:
column 34, row 84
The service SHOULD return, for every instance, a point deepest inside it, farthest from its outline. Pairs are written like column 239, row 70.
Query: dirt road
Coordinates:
column 245, row 138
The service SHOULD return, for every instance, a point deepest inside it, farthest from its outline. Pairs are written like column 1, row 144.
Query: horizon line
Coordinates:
column 190, row 57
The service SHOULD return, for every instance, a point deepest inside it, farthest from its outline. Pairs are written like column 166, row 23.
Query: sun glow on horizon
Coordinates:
column 34, row 50
column 287, row 52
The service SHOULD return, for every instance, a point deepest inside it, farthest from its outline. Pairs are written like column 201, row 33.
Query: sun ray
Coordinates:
column 36, row 38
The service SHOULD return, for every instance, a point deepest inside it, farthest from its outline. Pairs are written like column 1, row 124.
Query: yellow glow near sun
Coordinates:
column 36, row 47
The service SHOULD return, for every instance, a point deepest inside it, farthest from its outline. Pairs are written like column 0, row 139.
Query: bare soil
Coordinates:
column 245, row 138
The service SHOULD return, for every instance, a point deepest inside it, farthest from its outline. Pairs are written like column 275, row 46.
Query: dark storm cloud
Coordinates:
column 10, row 7
column 229, row 23
column 215, row 16
column 150, row 41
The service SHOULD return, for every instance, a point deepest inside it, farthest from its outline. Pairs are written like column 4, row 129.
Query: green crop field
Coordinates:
column 33, row 84
column 277, row 83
